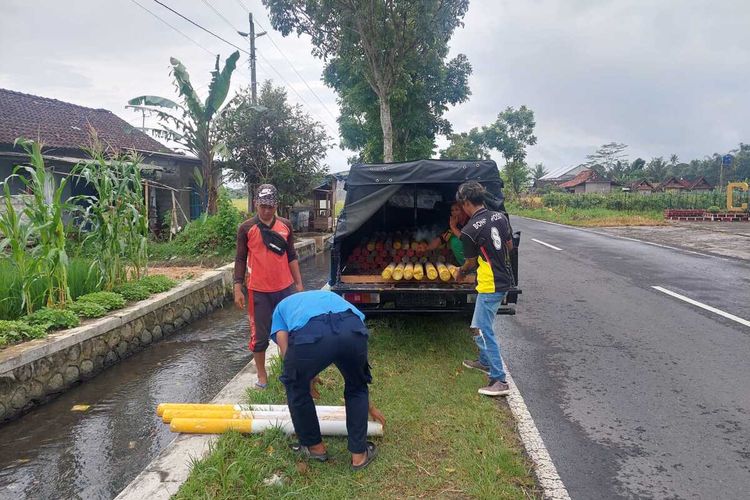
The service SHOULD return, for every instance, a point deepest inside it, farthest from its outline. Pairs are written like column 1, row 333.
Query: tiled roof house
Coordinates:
column 64, row 130
column 587, row 181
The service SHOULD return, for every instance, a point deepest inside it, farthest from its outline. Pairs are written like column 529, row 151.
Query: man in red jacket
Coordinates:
column 265, row 252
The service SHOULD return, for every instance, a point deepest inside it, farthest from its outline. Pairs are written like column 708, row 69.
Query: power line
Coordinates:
column 242, row 50
column 229, row 23
column 175, row 29
column 220, row 14
column 201, row 27
column 242, row 4
column 297, row 72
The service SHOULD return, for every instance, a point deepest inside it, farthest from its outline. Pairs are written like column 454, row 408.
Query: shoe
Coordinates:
column 372, row 453
column 476, row 365
column 496, row 388
column 305, row 452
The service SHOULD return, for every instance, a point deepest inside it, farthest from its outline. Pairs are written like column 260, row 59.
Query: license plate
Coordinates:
column 421, row 300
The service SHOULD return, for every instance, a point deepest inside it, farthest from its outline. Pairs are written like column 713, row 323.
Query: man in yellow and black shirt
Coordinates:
column 487, row 239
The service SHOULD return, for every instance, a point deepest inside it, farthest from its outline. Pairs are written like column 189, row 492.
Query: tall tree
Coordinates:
column 511, row 133
column 466, row 146
column 273, row 142
column 607, row 158
column 538, row 172
column 516, row 176
column 378, row 42
column 192, row 124
column 656, row 169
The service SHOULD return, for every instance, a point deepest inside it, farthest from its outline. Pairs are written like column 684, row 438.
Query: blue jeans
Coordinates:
column 485, row 310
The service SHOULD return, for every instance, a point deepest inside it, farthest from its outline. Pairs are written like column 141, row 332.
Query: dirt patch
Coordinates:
column 179, row 272
column 728, row 239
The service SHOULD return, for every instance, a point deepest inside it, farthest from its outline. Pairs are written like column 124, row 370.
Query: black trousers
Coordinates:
column 339, row 339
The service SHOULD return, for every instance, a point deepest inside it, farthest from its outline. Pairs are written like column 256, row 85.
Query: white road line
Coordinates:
column 703, row 306
column 619, row 237
column 544, row 469
column 546, row 244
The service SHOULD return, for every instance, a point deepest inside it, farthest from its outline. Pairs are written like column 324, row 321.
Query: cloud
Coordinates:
column 664, row 77
column 661, row 76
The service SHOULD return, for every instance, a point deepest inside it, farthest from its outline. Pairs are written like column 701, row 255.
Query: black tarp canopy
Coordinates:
column 370, row 186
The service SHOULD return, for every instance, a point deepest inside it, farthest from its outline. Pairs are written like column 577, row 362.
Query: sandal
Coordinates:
column 372, row 453
column 306, row 453
column 260, row 386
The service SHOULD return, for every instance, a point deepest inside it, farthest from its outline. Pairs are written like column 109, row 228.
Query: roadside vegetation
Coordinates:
column 442, row 439
column 207, row 241
column 612, row 209
column 62, row 258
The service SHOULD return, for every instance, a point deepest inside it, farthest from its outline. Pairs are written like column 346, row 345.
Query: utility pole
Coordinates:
column 253, row 88
column 253, row 82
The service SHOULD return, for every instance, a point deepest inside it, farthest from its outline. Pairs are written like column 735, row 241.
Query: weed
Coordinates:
column 53, row 319
column 133, row 291
column 87, row 309
column 19, row 331
column 157, row 283
column 108, row 300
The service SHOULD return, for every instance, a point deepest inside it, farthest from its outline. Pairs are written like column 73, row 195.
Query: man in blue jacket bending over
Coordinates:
column 314, row 330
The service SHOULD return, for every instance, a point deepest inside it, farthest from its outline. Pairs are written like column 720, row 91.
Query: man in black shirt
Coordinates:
column 487, row 240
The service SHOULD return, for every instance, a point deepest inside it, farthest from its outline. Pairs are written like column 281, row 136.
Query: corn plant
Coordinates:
column 119, row 226
column 16, row 234
column 44, row 210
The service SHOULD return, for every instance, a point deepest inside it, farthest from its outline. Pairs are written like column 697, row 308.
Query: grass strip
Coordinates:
column 443, row 440
column 590, row 217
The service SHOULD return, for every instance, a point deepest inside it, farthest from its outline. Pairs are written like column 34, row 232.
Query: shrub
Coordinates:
column 18, row 331
column 53, row 319
column 635, row 202
column 713, row 209
column 210, row 235
column 87, row 309
column 133, row 291
column 157, row 283
column 108, row 300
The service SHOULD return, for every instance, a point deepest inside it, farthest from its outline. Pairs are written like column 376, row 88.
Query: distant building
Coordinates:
column 641, row 187
column 700, row 185
column 558, row 176
column 63, row 129
column 672, row 185
column 587, row 181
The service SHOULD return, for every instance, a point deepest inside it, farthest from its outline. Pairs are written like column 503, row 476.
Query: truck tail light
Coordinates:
column 362, row 298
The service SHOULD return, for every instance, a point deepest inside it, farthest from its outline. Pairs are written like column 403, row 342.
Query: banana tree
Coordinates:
column 191, row 124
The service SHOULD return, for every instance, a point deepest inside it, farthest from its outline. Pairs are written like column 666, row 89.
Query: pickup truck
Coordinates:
column 390, row 213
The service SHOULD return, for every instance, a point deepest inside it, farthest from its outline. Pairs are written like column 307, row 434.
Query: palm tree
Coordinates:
column 192, row 124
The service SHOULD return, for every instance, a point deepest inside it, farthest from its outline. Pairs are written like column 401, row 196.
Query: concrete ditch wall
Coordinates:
column 34, row 372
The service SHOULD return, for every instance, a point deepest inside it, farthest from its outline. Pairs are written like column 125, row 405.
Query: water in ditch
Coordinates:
column 54, row 452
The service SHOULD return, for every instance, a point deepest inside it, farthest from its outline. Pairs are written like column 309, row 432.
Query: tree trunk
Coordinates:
column 387, row 126
column 211, row 182
column 250, row 194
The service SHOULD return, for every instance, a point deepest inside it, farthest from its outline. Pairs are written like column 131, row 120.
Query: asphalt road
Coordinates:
column 636, row 393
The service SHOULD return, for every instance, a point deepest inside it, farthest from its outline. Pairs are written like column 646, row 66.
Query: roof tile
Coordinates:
column 65, row 125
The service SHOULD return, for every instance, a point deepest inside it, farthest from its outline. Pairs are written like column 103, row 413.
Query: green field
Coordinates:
column 442, row 439
column 589, row 217
column 240, row 204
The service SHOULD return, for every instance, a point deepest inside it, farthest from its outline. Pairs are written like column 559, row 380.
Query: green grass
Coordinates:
column 589, row 217
column 442, row 440
column 82, row 279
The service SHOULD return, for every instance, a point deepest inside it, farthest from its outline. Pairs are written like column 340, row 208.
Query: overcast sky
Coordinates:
column 664, row 76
